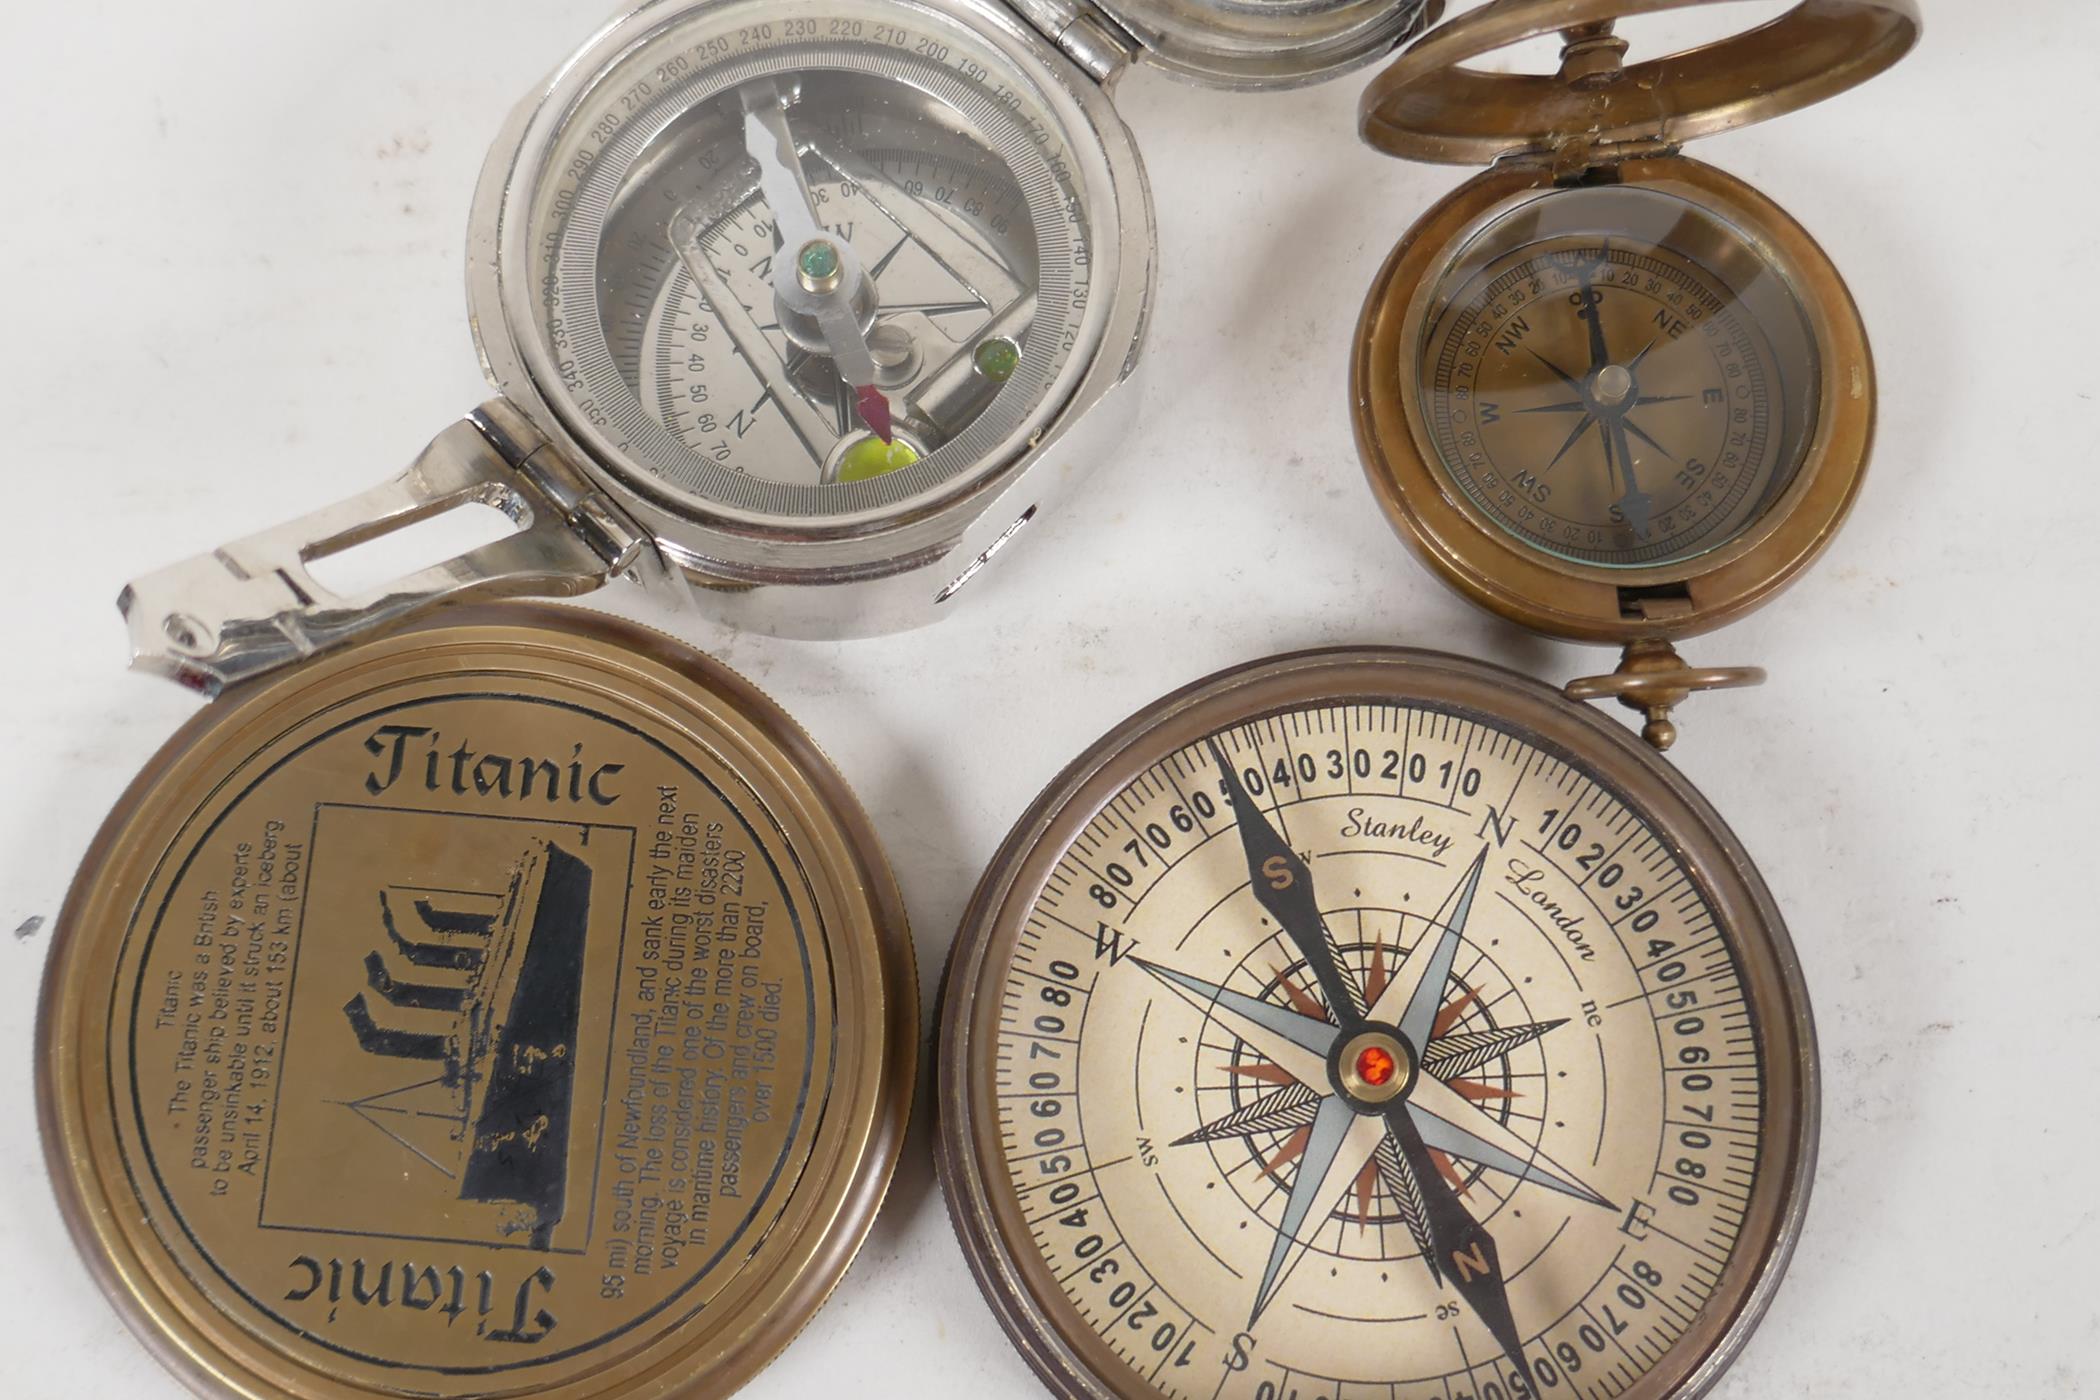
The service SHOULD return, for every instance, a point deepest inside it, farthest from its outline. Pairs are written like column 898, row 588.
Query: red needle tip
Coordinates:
column 875, row 411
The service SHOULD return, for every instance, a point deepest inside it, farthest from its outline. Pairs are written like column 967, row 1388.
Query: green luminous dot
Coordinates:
column 819, row 260
column 872, row 457
column 997, row 359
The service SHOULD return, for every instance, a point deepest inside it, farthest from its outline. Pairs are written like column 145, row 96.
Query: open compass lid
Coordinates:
column 1262, row 43
column 1430, row 106
column 518, row 1003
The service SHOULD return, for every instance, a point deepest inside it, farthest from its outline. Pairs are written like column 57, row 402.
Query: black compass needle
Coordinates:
column 1285, row 888
column 1460, row 1246
column 1636, row 505
column 1593, row 312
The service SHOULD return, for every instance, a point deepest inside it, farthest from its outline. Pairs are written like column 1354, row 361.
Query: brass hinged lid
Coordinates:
column 1430, row 106
column 1266, row 43
column 516, row 1004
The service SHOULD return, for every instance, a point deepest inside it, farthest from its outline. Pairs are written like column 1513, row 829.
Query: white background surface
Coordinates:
column 232, row 251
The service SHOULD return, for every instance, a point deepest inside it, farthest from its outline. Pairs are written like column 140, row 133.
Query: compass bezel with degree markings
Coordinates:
column 1604, row 390
column 1371, row 1077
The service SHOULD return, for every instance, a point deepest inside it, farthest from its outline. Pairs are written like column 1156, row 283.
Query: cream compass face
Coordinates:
column 1378, row 1049
column 1614, row 377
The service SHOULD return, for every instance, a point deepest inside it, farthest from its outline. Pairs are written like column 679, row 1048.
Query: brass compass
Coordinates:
column 1607, row 391
column 515, row 1004
column 1375, row 1023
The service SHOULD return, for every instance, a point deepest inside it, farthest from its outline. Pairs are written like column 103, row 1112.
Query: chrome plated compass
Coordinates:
column 808, row 304
column 1375, row 1025
column 1606, row 391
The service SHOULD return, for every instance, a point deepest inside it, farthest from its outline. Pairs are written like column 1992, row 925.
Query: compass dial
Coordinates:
column 1614, row 377
column 1378, row 1047
column 924, row 334
column 794, row 260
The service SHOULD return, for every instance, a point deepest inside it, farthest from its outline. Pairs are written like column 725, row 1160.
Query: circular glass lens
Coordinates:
column 777, row 246
column 1393, row 1047
column 1617, row 377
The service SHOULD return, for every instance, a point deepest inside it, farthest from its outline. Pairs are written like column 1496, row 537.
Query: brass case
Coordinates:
column 508, row 925
column 1565, row 598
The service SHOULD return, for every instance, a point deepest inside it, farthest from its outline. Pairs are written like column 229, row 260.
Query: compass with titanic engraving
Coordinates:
column 1375, row 1025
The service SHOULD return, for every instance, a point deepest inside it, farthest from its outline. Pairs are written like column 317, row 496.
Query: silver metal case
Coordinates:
column 586, row 510
column 1266, row 44
column 872, row 576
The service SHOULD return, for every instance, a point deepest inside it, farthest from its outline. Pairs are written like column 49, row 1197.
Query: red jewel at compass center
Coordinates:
column 1376, row 1066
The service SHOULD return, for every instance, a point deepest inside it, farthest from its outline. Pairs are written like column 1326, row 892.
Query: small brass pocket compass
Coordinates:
column 1607, row 391
column 1375, row 1025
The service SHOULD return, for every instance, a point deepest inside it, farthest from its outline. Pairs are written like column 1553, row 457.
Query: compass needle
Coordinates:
column 1636, row 506
column 1284, row 886
column 816, row 274
column 1465, row 1254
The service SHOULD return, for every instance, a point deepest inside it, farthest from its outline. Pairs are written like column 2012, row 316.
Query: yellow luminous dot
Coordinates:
column 872, row 457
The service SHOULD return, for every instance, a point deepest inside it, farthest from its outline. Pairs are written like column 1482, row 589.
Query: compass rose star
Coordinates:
column 1293, row 1041
column 1373, row 1089
column 1333, row 1159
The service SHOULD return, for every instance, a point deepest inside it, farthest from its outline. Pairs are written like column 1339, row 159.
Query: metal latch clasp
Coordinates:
column 253, row 605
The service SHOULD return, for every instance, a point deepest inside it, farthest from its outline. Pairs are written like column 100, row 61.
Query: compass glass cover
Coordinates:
column 717, row 366
column 1501, row 1138
column 1617, row 377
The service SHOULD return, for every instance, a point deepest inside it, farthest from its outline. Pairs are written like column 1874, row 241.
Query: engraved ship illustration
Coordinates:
column 487, row 986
